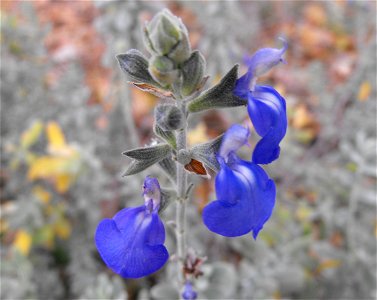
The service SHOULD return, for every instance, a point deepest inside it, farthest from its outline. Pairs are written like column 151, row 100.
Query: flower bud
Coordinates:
column 166, row 35
column 184, row 156
column 151, row 193
column 188, row 292
column 163, row 70
column 168, row 117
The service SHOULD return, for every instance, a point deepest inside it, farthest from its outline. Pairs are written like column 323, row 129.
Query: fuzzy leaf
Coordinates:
column 219, row 96
column 145, row 157
column 192, row 73
column 135, row 65
column 147, row 153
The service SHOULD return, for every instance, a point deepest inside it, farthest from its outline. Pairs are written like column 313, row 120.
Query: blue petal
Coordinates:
column 259, row 63
column 227, row 220
column 252, row 204
column 229, row 187
column 261, row 193
column 267, row 111
column 234, row 138
column 229, row 215
column 131, row 244
column 265, row 59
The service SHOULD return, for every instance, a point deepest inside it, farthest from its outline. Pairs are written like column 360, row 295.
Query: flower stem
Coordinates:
column 181, row 203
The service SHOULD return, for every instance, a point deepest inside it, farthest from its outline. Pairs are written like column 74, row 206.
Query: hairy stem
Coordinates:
column 181, row 203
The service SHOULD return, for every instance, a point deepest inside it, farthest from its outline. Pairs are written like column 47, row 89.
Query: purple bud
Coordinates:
column 234, row 138
column 188, row 292
column 151, row 193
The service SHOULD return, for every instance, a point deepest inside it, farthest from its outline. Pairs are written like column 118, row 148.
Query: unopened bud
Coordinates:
column 184, row 156
column 163, row 70
column 152, row 193
column 188, row 292
column 166, row 35
column 168, row 117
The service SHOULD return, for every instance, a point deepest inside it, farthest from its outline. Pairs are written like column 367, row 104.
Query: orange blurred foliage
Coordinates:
column 73, row 37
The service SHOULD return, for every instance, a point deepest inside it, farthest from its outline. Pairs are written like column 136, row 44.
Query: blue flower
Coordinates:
column 188, row 292
column 266, row 107
column 131, row 243
column 245, row 194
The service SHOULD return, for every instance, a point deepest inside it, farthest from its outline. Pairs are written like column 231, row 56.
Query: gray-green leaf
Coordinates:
column 135, row 65
column 219, row 96
column 192, row 73
column 145, row 157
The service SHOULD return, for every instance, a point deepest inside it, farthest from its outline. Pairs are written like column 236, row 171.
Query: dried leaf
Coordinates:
column 145, row 87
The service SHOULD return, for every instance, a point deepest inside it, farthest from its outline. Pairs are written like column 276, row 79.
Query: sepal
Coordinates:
column 166, row 135
column 135, row 65
column 207, row 152
column 192, row 73
column 219, row 96
column 145, row 157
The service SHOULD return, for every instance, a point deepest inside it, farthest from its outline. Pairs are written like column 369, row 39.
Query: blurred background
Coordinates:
column 67, row 114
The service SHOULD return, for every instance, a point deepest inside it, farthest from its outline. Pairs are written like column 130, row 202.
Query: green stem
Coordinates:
column 181, row 203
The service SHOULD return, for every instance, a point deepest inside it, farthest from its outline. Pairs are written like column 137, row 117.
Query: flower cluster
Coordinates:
column 246, row 196
column 132, row 242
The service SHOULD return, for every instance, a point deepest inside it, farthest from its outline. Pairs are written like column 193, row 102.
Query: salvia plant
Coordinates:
column 132, row 242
